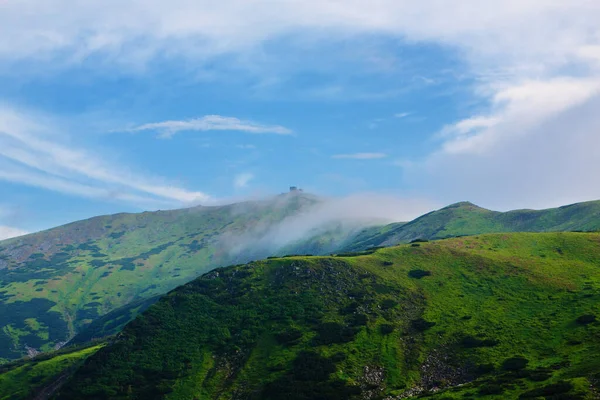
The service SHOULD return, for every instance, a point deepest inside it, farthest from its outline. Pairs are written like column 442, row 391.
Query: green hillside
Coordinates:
column 501, row 316
column 54, row 283
column 37, row 378
column 468, row 219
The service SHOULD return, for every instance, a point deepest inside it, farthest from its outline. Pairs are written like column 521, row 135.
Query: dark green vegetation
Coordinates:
column 54, row 283
column 501, row 316
column 27, row 379
column 468, row 219
column 113, row 322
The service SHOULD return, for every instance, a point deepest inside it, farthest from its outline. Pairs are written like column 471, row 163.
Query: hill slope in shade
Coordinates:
column 54, row 283
column 500, row 316
column 39, row 377
column 468, row 219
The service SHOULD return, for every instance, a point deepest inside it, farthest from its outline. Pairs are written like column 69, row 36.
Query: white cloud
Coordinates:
column 536, row 64
column 537, row 148
column 402, row 115
column 211, row 123
column 246, row 146
column 137, row 30
column 37, row 154
column 351, row 212
column 7, row 232
column 517, row 110
column 242, row 180
column 360, row 156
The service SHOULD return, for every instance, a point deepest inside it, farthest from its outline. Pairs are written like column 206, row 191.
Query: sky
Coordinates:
column 135, row 105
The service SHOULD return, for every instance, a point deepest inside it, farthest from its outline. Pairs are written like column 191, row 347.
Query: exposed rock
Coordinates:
column 372, row 382
column 31, row 352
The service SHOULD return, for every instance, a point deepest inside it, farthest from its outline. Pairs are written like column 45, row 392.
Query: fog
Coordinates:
column 293, row 220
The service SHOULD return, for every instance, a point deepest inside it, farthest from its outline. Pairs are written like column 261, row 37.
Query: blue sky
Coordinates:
column 129, row 106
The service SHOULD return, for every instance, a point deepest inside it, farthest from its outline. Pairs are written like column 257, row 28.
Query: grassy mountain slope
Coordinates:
column 33, row 378
column 54, row 283
column 501, row 316
column 468, row 219
column 113, row 322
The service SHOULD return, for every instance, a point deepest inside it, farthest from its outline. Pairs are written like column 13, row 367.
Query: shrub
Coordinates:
column 311, row 366
column 333, row 332
column 350, row 308
column 539, row 376
column 586, row 319
column 515, row 363
column 483, row 369
column 338, row 357
column 471, row 342
column 421, row 325
column 386, row 329
column 289, row 336
column 549, row 391
column 387, row 263
column 418, row 273
column 419, row 241
column 359, row 320
column 490, row 388
column 309, row 379
column 388, row 303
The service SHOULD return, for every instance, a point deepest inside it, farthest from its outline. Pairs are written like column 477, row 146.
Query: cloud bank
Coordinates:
column 338, row 218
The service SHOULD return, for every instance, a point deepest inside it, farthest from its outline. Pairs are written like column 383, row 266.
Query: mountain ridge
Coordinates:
column 55, row 283
column 466, row 218
column 389, row 323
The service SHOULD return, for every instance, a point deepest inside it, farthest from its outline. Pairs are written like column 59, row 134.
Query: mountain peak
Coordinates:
column 464, row 205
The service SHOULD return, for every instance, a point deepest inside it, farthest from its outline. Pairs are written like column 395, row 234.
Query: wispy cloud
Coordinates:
column 402, row 115
column 242, row 180
column 167, row 129
column 246, row 146
column 33, row 152
column 7, row 232
column 360, row 156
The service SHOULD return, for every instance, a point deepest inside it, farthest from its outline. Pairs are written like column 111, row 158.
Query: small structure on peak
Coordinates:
column 295, row 189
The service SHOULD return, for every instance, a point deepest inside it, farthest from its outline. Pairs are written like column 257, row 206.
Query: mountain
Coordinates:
column 501, row 316
column 54, row 283
column 465, row 218
column 39, row 377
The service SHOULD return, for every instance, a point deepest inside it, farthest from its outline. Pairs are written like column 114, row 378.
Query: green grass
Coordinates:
column 311, row 327
column 53, row 284
column 23, row 379
column 468, row 219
